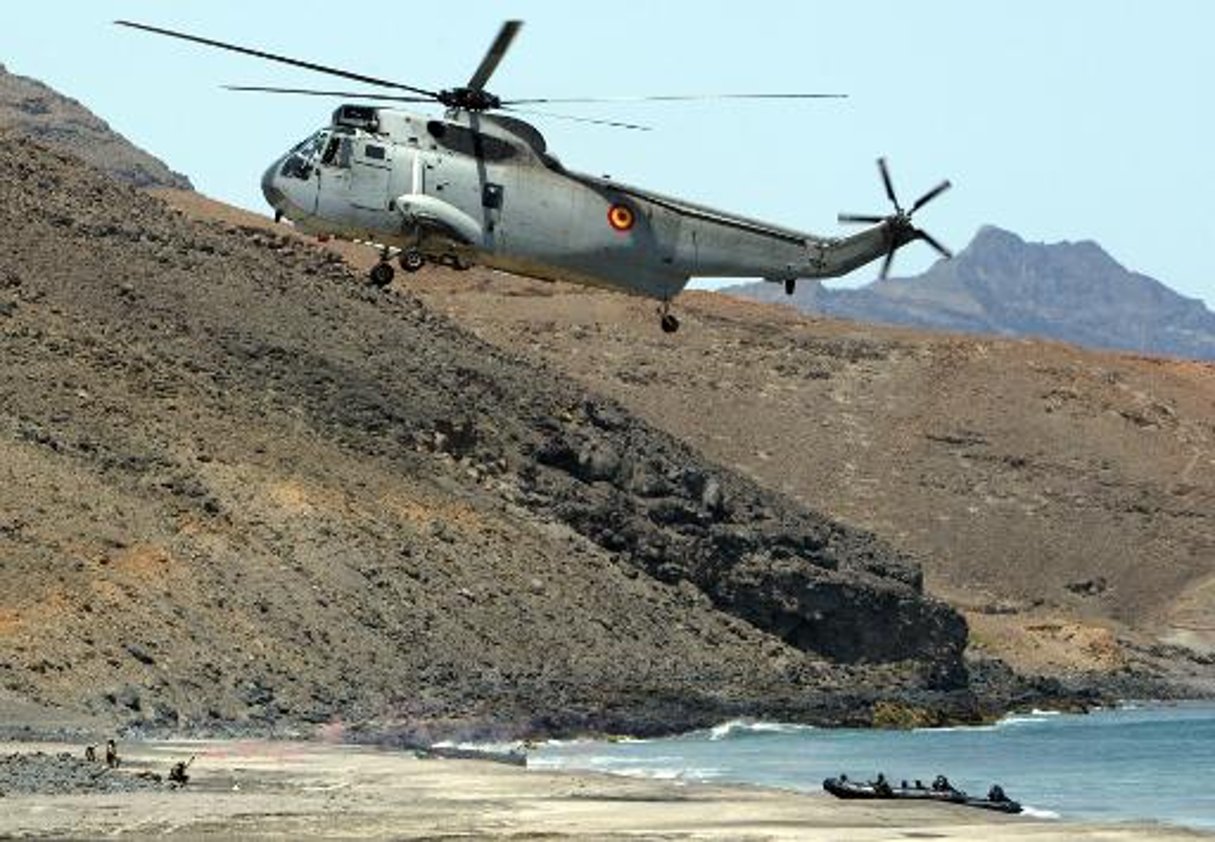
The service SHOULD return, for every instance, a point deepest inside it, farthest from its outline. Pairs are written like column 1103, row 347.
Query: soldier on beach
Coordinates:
column 90, row 754
column 177, row 775
column 111, row 754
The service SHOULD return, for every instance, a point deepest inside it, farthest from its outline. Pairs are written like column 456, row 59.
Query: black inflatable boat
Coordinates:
column 844, row 788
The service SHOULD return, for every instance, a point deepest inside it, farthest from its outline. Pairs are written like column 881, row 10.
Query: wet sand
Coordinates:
column 288, row 790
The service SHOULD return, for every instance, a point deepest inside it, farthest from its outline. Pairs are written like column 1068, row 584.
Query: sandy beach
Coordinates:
column 291, row 790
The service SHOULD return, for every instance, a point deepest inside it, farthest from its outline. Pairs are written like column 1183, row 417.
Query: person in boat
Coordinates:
column 919, row 784
column 881, row 786
column 996, row 793
column 941, row 784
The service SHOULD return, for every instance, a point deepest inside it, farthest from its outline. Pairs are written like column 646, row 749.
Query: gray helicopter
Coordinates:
column 481, row 187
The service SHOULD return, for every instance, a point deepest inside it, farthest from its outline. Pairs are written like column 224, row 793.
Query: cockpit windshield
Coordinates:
column 302, row 157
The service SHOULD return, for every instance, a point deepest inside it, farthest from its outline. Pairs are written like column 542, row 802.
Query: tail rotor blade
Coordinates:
column 928, row 238
column 889, row 184
column 886, row 263
column 930, row 195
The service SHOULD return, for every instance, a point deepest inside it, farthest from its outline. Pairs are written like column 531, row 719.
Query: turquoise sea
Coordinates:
column 1150, row 762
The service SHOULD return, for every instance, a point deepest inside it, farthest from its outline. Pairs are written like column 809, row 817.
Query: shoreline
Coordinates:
column 292, row 789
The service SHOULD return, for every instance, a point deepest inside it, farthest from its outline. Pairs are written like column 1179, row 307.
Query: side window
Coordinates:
column 374, row 153
column 331, row 151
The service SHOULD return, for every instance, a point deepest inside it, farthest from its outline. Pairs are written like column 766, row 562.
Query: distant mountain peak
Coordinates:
column 1002, row 284
column 29, row 108
column 994, row 234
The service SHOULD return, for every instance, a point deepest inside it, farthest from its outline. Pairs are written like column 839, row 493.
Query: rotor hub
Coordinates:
column 469, row 99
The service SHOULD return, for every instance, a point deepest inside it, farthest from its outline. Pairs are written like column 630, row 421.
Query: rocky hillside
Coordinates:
column 1064, row 499
column 30, row 109
column 1000, row 284
column 237, row 487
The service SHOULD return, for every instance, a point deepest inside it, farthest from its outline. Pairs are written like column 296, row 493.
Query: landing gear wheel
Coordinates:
column 412, row 260
column 669, row 323
column 790, row 286
column 381, row 275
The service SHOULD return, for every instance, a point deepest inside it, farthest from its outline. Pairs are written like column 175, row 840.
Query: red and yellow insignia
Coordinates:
column 621, row 217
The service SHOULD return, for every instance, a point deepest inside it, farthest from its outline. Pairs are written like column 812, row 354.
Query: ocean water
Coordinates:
column 1150, row 762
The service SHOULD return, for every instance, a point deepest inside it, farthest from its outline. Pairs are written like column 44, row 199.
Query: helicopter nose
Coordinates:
column 274, row 196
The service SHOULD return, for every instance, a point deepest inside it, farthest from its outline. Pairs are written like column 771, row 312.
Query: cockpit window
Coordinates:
column 337, row 152
column 296, row 166
column 302, row 157
column 331, row 151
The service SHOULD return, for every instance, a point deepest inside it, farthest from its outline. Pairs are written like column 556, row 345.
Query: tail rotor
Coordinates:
column 902, row 230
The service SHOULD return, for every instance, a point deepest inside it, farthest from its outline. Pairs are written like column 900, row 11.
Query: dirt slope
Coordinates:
column 238, row 488
column 1065, row 499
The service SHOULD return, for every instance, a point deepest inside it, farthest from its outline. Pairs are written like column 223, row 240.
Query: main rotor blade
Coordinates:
column 307, row 65
column 930, row 195
column 928, row 238
column 889, row 184
column 864, row 219
column 667, row 98
column 496, row 50
column 613, row 123
column 344, row 94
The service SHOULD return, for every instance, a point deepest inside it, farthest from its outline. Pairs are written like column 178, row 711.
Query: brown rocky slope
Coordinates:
column 30, row 109
column 1063, row 499
column 242, row 490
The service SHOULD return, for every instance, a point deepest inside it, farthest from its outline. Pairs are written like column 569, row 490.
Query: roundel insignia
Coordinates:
column 621, row 217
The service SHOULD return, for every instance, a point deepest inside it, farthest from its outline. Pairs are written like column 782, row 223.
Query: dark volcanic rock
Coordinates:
column 63, row 774
column 245, row 490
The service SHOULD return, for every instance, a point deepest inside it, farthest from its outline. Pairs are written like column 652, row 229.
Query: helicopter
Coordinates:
column 479, row 186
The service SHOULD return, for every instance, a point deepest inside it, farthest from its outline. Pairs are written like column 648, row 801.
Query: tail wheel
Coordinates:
column 412, row 260
column 669, row 323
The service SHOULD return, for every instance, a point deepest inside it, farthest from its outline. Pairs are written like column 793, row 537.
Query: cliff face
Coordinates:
column 1000, row 284
column 1064, row 499
column 237, row 486
column 30, row 109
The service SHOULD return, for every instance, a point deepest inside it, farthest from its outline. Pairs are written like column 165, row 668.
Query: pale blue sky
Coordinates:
column 1090, row 119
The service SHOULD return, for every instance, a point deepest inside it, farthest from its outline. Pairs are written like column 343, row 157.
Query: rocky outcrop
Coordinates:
column 30, row 109
column 816, row 584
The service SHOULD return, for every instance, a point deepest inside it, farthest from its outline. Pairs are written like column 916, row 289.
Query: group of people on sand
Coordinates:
column 177, row 773
column 111, row 754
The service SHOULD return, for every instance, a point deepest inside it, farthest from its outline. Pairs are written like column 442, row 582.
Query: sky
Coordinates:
column 1080, row 120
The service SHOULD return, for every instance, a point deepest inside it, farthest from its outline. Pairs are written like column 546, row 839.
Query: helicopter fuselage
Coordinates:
column 479, row 188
